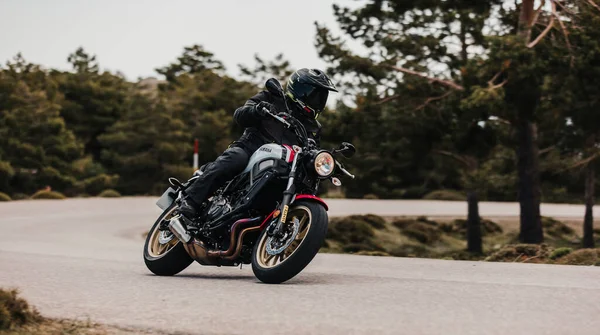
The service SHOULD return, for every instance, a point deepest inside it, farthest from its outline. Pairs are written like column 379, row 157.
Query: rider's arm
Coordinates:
column 246, row 115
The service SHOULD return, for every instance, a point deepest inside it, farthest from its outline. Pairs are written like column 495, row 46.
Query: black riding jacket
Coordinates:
column 261, row 130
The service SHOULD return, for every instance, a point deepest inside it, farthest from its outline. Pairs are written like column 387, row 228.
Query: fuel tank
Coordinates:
column 270, row 150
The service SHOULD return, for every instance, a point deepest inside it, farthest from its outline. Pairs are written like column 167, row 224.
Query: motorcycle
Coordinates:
column 268, row 216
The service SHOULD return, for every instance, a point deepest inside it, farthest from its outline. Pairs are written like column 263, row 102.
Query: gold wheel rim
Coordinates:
column 265, row 260
column 157, row 249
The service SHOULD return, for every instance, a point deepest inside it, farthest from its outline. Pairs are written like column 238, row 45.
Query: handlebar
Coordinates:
column 307, row 140
column 278, row 118
column 293, row 123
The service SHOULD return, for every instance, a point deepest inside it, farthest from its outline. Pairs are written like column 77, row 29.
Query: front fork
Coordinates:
column 288, row 196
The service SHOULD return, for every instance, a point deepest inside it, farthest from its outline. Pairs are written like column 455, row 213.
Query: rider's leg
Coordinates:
column 231, row 163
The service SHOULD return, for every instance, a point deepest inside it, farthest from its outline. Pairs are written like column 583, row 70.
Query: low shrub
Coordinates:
column 355, row 233
column 521, row 253
column 96, row 184
column 20, row 196
column 15, row 311
column 370, row 196
column 409, row 250
column 449, row 195
column 402, row 223
column 582, row 257
column 556, row 228
column 373, row 220
column 459, row 226
column 424, row 219
column 560, row 252
column 48, row 195
column 349, row 230
column 461, row 255
column 109, row 194
column 4, row 197
column 421, row 232
column 421, row 229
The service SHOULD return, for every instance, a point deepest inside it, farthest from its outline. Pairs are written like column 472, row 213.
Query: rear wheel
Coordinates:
column 164, row 254
column 275, row 260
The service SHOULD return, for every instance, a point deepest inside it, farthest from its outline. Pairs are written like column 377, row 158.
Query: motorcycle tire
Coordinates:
column 172, row 261
column 304, row 253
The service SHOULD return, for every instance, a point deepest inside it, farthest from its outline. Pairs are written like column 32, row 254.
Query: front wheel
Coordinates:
column 164, row 254
column 275, row 260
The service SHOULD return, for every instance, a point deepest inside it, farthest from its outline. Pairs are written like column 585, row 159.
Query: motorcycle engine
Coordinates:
column 220, row 206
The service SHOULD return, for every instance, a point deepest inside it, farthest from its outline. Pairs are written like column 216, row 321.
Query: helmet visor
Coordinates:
column 311, row 96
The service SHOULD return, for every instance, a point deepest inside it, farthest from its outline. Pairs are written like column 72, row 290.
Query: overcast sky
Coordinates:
column 136, row 36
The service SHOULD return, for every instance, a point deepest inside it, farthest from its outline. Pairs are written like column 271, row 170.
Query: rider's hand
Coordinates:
column 259, row 108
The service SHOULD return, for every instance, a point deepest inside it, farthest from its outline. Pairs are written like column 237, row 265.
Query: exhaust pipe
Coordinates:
column 178, row 229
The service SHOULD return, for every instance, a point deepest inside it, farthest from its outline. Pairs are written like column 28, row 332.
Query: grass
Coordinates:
column 581, row 257
column 48, row 195
column 560, row 252
column 17, row 317
column 70, row 327
column 446, row 239
column 449, row 195
column 15, row 311
column 20, row 196
column 109, row 194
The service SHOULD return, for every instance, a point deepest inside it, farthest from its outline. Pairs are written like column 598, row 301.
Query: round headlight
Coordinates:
column 324, row 164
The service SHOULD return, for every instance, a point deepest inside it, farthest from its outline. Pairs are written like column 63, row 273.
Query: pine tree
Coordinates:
column 93, row 101
column 33, row 136
column 145, row 147
column 278, row 68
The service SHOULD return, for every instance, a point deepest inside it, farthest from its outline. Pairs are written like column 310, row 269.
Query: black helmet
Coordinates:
column 309, row 90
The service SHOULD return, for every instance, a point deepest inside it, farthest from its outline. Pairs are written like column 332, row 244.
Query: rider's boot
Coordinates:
column 188, row 209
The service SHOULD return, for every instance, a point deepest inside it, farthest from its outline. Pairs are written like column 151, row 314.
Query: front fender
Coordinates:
column 305, row 197
column 308, row 197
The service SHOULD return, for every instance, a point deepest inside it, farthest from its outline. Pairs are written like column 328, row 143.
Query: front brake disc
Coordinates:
column 271, row 250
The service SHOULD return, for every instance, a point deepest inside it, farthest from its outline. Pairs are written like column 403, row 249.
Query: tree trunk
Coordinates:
column 588, row 221
column 529, row 182
column 526, row 19
column 473, row 224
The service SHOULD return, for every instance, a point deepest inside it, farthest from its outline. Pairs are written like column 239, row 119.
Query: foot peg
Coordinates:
column 178, row 229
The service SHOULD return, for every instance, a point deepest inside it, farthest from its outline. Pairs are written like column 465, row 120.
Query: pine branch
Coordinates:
column 493, row 87
column 548, row 149
column 547, row 30
column 585, row 161
column 566, row 33
column 468, row 162
column 390, row 98
column 491, row 81
column 591, row 2
column 565, row 8
column 432, row 99
column 447, row 83
column 537, row 13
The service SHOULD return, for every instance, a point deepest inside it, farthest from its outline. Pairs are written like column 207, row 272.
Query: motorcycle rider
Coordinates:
column 306, row 95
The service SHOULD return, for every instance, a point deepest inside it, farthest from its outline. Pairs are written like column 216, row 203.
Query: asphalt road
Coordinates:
column 82, row 258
